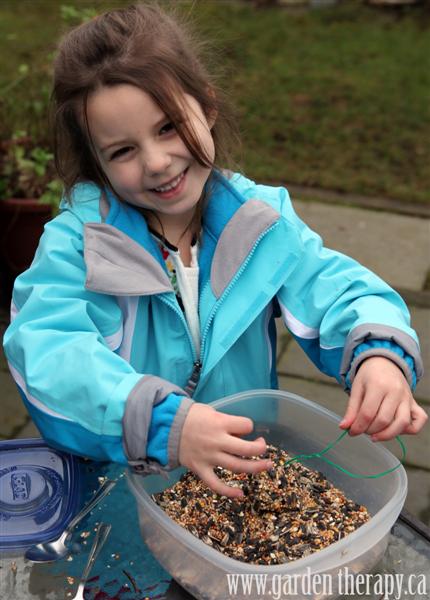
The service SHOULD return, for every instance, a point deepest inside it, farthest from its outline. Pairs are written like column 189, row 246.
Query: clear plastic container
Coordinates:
column 298, row 426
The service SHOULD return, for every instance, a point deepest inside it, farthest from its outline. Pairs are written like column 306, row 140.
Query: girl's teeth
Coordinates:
column 169, row 186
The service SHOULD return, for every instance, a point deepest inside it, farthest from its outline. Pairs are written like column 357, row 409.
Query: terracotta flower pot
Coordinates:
column 21, row 225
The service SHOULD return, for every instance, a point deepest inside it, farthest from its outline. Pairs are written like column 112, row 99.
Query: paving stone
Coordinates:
column 331, row 397
column 12, row 410
column 3, row 324
column 418, row 498
column 295, row 362
column 283, row 336
column 3, row 362
column 418, row 448
column 385, row 243
column 28, row 431
column 420, row 320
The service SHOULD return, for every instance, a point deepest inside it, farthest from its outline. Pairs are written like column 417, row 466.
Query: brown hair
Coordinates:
column 144, row 46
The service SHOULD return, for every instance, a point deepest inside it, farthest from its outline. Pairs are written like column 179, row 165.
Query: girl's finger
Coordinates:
column 401, row 421
column 241, row 465
column 238, row 425
column 216, row 485
column 354, row 403
column 419, row 418
column 367, row 412
column 385, row 415
column 239, row 447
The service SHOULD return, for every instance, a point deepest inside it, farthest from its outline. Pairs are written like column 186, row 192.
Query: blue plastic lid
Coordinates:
column 39, row 492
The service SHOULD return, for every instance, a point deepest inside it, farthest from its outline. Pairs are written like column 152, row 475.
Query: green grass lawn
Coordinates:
column 337, row 98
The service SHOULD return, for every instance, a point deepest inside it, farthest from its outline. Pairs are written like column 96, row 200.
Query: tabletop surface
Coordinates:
column 126, row 570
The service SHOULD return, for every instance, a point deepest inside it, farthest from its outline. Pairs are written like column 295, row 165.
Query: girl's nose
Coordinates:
column 156, row 160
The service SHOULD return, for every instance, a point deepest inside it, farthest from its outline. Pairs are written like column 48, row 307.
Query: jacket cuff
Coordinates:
column 176, row 432
column 387, row 349
column 146, row 394
column 164, row 434
column 165, row 437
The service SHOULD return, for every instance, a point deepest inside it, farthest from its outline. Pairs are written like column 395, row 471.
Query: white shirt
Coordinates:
column 187, row 281
column 188, row 284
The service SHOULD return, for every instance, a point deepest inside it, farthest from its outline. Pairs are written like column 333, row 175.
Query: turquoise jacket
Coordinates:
column 101, row 351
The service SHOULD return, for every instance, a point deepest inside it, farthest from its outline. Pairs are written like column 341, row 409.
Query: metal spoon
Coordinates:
column 55, row 549
column 101, row 534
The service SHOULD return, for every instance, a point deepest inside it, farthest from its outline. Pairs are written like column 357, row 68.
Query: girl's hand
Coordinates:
column 381, row 403
column 210, row 438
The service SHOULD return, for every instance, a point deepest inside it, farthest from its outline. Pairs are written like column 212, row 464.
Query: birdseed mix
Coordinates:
column 285, row 514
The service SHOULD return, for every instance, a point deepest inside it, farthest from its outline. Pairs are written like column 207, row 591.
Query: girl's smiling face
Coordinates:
column 142, row 154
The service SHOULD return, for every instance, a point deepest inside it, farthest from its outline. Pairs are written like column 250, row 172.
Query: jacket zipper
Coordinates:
column 182, row 318
column 197, row 365
column 227, row 291
column 194, row 379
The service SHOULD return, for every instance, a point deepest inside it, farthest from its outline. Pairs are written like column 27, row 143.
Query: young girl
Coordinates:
column 154, row 291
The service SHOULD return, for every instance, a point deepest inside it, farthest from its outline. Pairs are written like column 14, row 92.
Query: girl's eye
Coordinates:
column 120, row 152
column 167, row 128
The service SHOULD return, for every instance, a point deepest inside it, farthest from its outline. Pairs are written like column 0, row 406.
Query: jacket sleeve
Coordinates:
column 62, row 349
column 341, row 313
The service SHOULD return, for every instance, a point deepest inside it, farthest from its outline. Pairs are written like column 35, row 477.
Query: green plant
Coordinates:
column 27, row 171
column 52, row 195
column 72, row 15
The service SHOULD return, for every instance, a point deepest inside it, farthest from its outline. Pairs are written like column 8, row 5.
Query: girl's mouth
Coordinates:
column 172, row 188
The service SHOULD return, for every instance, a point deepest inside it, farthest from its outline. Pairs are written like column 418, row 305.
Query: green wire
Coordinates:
column 336, row 466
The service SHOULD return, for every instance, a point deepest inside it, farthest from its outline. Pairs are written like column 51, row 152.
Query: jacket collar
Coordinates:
column 118, row 265
column 122, row 257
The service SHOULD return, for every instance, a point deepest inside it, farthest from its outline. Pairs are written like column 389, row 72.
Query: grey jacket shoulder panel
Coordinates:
column 117, row 265
column 237, row 239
